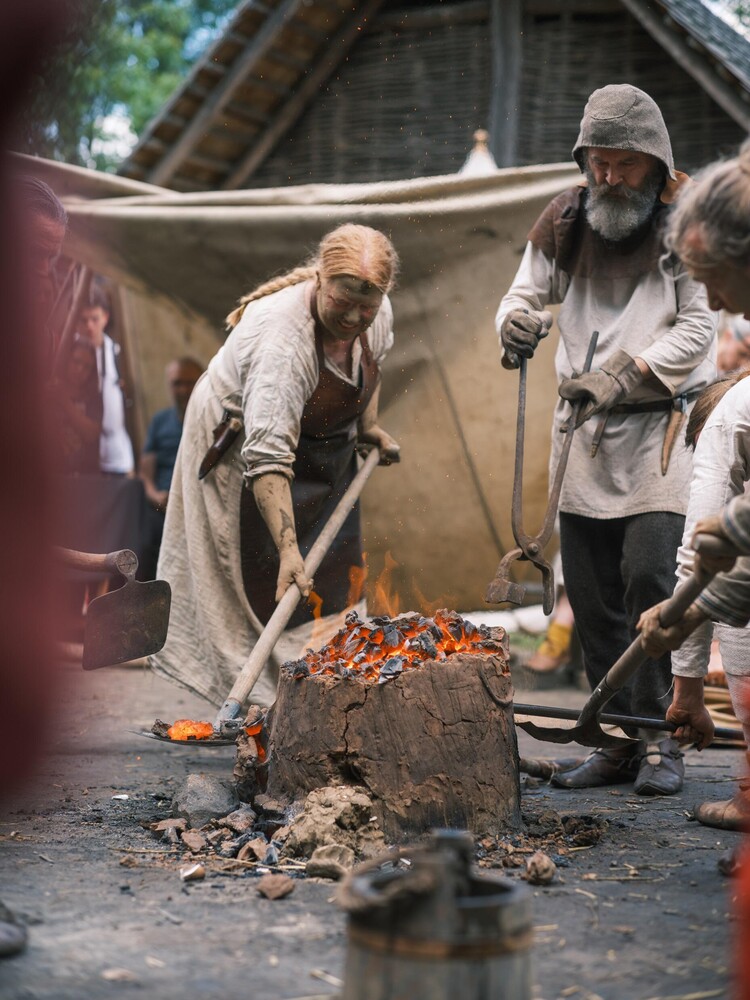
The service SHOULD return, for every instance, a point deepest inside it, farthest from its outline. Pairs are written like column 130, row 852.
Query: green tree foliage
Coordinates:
column 121, row 58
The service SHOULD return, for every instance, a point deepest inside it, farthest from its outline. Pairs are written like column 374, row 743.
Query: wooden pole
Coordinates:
column 286, row 606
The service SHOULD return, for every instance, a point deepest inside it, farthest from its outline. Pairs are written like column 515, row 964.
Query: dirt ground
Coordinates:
column 641, row 914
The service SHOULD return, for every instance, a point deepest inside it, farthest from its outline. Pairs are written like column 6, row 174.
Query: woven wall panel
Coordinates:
column 403, row 105
column 567, row 56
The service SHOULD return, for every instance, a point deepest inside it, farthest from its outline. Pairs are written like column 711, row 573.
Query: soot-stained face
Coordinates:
column 347, row 305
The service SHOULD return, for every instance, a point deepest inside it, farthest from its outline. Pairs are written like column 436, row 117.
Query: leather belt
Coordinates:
column 658, row 405
column 675, row 406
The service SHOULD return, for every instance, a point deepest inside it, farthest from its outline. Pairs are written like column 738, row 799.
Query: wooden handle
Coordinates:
column 123, row 561
column 278, row 621
column 672, row 611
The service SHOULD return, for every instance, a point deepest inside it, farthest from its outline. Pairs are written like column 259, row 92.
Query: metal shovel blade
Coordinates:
column 585, row 738
column 126, row 624
column 209, row 744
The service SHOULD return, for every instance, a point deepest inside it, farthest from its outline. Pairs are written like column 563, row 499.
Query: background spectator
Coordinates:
column 80, row 410
column 159, row 454
column 734, row 345
column 115, row 447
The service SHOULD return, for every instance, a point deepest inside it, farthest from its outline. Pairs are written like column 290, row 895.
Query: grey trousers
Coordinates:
column 614, row 570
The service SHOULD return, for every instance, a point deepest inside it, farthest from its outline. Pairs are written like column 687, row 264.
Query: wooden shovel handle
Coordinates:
column 123, row 561
column 278, row 621
column 672, row 611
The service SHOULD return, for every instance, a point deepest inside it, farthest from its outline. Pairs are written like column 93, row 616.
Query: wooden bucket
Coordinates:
column 424, row 925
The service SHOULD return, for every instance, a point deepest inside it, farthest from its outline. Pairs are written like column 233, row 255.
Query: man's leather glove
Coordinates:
column 604, row 388
column 520, row 334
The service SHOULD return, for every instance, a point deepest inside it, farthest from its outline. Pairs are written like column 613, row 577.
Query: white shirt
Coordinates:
column 115, row 446
column 721, row 469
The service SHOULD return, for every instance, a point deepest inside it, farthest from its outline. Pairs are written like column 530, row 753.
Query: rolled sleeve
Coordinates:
column 727, row 599
column 674, row 357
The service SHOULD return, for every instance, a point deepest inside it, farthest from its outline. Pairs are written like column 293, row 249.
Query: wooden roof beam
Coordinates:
column 696, row 65
column 308, row 88
column 468, row 12
column 213, row 103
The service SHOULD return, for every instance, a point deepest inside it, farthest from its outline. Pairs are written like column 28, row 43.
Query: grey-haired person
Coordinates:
column 597, row 250
column 710, row 230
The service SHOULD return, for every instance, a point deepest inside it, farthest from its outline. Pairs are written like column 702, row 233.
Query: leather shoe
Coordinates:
column 733, row 814
column 602, row 767
column 662, row 769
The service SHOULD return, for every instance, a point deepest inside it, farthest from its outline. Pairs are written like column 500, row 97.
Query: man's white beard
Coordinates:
column 616, row 212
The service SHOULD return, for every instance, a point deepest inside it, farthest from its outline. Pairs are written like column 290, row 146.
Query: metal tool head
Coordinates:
column 126, row 624
column 577, row 734
column 587, row 731
column 502, row 589
column 209, row 744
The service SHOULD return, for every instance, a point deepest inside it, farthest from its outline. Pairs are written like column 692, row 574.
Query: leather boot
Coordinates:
column 662, row 769
column 602, row 767
column 732, row 814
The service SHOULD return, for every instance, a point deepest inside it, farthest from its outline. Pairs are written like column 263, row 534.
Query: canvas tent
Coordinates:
column 180, row 261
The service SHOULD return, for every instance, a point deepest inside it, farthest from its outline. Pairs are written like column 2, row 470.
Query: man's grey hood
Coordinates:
column 623, row 117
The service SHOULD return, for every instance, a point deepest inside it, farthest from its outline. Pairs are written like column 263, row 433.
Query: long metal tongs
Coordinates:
column 502, row 588
column 588, row 731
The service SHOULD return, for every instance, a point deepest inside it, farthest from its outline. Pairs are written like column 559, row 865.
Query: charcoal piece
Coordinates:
column 392, row 638
column 271, row 856
column 484, row 632
column 390, row 669
column 353, row 646
column 352, row 619
column 360, row 657
column 436, row 632
column 470, row 630
column 161, row 729
column 456, row 631
column 299, row 669
column 425, row 643
column 228, row 849
column 381, row 620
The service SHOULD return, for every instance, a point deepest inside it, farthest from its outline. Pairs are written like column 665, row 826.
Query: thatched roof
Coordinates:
column 254, row 84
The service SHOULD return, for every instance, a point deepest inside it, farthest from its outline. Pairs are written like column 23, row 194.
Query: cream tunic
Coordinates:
column 266, row 371
column 661, row 316
column 720, row 472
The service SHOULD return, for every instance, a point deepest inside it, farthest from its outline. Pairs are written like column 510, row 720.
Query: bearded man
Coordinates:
column 597, row 250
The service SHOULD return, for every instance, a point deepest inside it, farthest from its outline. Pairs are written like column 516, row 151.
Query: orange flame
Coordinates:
column 319, row 629
column 184, row 729
column 387, row 600
column 357, row 578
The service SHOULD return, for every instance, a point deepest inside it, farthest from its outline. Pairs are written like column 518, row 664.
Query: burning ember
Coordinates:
column 186, row 729
column 385, row 647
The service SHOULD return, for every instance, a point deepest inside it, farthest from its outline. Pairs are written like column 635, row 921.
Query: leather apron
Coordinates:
column 324, row 466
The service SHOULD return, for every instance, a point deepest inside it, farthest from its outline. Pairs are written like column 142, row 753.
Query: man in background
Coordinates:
column 115, row 447
column 734, row 345
column 159, row 454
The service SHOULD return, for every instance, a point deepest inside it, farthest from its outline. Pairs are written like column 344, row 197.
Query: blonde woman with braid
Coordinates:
column 271, row 428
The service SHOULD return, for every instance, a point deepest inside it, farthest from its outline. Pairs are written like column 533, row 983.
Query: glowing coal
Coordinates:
column 385, row 647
